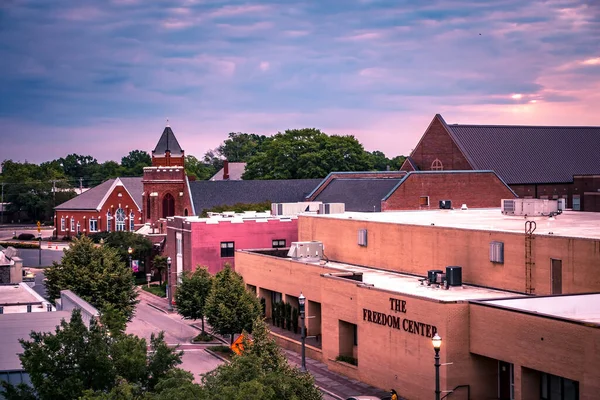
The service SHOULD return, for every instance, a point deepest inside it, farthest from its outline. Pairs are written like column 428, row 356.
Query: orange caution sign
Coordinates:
column 238, row 346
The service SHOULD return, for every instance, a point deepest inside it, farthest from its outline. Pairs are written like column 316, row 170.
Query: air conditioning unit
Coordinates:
column 445, row 204
column 294, row 208
column 306, row 251
column 529, row 207
column 562, row 204
column 332, row 208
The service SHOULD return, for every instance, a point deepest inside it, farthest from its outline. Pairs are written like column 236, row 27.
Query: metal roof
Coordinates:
column 530, row 154
column 362, row 194
column 209, row 194
column 169, row 142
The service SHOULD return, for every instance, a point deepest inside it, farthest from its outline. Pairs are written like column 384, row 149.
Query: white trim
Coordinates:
column 130, row 196
column 117, row 182
column 187, row 184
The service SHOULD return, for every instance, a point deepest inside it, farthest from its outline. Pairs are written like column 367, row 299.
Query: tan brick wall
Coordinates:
column 557, row 347
column 417, row 249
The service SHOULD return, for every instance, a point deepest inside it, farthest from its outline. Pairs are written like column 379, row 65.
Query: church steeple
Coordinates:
column 168, row 152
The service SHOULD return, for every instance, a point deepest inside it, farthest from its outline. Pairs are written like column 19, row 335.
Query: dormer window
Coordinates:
column 437, row 165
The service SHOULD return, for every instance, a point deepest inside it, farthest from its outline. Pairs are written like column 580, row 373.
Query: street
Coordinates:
column 31, row 256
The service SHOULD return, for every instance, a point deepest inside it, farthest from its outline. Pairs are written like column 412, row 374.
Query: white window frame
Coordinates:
column 108, row 221
column 120, row 220
column 437, row 165
column 132, row 221
column 63, row 224
column 93, row 225
column 78, row 227
column 179, row 244
column 72, row 224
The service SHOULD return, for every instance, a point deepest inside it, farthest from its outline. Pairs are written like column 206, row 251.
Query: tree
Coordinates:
column 306, row 153
column 133, row 164
column 123, row 240
column 197, row 169
column 192, row 292
column 239, row 147
column 261, row 372
column 230, row 308
column 96, row 274
column 160, row 265
column 77, row 361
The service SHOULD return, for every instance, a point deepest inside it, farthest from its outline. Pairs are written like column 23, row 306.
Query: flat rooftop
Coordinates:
column 411, row 285
column 569, row 223
column 578, row 307
column 17, row 293
column 233, row 217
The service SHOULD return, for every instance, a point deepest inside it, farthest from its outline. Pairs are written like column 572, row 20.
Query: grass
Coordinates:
column 223, row 351
column 160, row 291
column 203, row 337
column 347, row 359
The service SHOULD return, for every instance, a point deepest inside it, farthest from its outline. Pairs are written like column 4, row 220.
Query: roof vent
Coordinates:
column 445, row 204
column 464, row 207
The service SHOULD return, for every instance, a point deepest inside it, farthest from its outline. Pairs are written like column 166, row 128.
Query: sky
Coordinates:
column 103, row 77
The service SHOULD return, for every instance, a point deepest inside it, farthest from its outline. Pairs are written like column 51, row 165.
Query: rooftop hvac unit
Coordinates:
column 562, row 204
column 306, row 251
column 445, row 204
column 432, row 275
column 530, row 207
column 454, row 276
column 332, row 208
column 294, row 208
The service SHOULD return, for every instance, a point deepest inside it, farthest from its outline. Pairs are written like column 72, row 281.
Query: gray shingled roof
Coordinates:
column 166, row 142
column 358, row 194
column 209, row 194
column 530, row 154
column 91, row 199
column 236, row 170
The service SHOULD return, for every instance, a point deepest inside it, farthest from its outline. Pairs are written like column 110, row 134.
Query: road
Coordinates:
column 31, row 256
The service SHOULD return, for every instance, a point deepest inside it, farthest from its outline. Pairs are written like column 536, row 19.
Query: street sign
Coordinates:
column 39, row 227
column 238, row 346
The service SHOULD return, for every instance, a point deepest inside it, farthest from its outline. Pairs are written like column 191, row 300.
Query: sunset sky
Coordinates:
column 102, row 77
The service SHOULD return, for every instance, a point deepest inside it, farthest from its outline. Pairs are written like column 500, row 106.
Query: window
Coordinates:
column 227, row 249
column 424, row 201
column 78, row 228
column 185, row 212
column 132, row 221
column 148, row 206
column 72, row 224
column 497, row 252
column 179, row 245
column 168, row 206
column 93, row 225
column 120, row 220
column 108, row 221
column 355, row 334
column 362, row 237
column 278, row 243
column 556, row 276
column 557, row 388
column 437, row 165
column 62, row 224
column 576, row 202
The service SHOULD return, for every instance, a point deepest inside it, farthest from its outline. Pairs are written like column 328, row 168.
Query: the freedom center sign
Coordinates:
column 397, row 322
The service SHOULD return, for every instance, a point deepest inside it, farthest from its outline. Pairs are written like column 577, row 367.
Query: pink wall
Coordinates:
column 206, row 239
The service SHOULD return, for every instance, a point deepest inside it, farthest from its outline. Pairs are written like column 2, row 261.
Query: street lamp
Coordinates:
column 170, row 305
column 437, row 343
column 40, row 253
column 130, row 251
column 301, row 301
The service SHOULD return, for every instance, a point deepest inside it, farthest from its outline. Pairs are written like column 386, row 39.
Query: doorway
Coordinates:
column 506, row 381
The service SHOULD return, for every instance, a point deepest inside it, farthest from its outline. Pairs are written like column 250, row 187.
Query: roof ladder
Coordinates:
column 529, row 262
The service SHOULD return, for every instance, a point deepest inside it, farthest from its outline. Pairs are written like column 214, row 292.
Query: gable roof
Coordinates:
column 358, row 194
column 236, row 170
column 95, row 197
column 169, row 142
column 530, row 154
column 209, row 194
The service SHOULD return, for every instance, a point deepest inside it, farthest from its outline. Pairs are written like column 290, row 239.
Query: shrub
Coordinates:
column 157, row 290
column 17, row 245
column 26, row 236
column 221, row 349
column 347, row 359
column 204, row 337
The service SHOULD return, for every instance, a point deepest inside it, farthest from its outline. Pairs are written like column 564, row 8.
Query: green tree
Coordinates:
column 261, row 372
column 192, row 292
column 159, row 263
column 133, row 164
column 230, row 308
column 198, row 169
column 96, row 274
column 79, row 361
column 306, row 153
column 123, row 240
column 239, row 147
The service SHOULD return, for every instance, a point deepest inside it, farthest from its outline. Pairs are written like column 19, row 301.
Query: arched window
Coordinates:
column 437, row 165
column 148, row 206
column 119, row 220
column 168, row 206
column 131, row 221
column 108, row 221
column 185, row 212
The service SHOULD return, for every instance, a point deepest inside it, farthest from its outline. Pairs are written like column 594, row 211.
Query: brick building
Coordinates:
column 546, row 162
column 370, row 301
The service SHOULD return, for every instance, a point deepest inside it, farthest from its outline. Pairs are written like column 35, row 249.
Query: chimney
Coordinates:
column 225, row 170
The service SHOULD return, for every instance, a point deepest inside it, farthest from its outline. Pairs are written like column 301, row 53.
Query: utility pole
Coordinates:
column 2, row 206
column 53, row 194
column 80, row 185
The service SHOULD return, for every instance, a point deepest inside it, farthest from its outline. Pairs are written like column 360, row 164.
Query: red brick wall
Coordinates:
column 157, row 183
column 476, row 190
column 355, row 175
column 437, row 143
column 167, row 161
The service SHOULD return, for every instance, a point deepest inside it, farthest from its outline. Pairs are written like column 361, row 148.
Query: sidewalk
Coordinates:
column 331, row 383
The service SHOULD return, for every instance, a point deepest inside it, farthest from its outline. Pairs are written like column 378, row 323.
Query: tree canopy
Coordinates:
column 192, row 293
column 230, row 308
column 95, row 273
column 76, row 361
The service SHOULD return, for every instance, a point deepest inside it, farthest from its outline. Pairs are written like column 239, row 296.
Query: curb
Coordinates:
column 327, row 392
column 157, row 308
column 212, row 353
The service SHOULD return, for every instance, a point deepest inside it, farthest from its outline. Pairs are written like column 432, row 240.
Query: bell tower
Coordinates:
column 166, row 189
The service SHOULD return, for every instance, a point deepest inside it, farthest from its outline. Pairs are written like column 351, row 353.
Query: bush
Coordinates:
column 157, row 290
column 98, row 235
column 26, row 236
column 221, row 349
column 204, row 337
column 347, row 359
column 17, row 245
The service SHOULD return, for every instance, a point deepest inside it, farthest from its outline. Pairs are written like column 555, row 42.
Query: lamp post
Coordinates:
column 301, row 302
column 130, row 251
column 170, row 305
column 437, row 343
column 40, row 253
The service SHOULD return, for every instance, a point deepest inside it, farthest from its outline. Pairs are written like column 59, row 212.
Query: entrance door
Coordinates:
column 505, row 381
column 556, row 276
